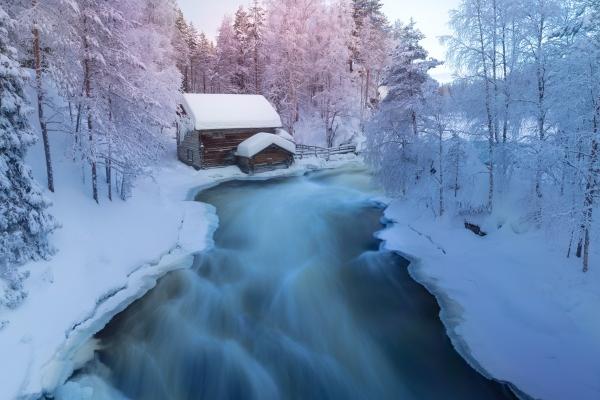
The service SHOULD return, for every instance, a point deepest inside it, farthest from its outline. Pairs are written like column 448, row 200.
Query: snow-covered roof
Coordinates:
column 230, row 111
column 257, row 143
column 285, row 134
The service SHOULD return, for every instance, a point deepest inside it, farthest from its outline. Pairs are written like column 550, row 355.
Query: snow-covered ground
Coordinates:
column 513, row 305
column 108, row 256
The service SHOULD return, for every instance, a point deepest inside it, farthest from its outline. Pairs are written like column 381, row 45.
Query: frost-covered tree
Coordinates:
column 242, row 75
column 454, row 163
column 394, row 133
column 127, row 87
column 473, row 46
column 47, row 36
column 437, row 124
column 370, row 47
column 288, row 36
column 524, row 109
column 226, row 56
column 297, row 54
column 256, row 32
column 136, row 88
column 408, row 72
column 24, row 220
column 333, row 87
column 180, row 42
column 202, row 59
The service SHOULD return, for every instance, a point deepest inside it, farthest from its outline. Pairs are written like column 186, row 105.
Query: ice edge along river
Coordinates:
column 77, row 347
column 450, row 312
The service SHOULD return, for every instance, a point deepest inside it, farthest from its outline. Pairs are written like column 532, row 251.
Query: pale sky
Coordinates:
column 431, row 17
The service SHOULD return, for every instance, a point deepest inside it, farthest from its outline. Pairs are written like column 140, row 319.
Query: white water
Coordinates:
column 295, row 302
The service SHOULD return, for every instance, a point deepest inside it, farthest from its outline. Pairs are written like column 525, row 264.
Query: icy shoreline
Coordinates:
column 74, row 353
column 450, row 315
column 440, row 251
column 39, row 360
column 450, row 311
column 550, row 356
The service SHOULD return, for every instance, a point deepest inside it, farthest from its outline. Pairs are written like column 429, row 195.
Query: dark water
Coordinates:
column 295, row 302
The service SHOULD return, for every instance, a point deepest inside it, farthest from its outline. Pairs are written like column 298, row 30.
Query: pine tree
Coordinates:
column 44, row 36
column 288, row 41
column 369, row 49
column 24, row 220
column 455, row 161
column 256, row 26
column 241, row 30
column 203, row 59
column 371, row 10
column 333, row 88
column 408, row 72
column 394, row 130
column 180, row 43
column 226, row 56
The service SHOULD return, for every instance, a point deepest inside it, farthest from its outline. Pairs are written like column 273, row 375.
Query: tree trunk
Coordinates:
column 367, row 88
column 109, row 158
column 441, row 166
column 413, row 116
column 495, row 71
column 541, row 117
column 490, row 120
column 256, row 69
column 588, row 206
column 456, row 179
column 109, row 177
column 88, row 93
column 40, row 102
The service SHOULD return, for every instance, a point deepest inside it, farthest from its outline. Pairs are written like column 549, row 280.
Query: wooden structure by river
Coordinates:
column 221, row 123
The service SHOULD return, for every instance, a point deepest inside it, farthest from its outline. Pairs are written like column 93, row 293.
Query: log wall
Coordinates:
column 214, row 148
column 270, row 158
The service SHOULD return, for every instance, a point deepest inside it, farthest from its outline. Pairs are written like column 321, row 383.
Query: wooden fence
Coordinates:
column 316, row 151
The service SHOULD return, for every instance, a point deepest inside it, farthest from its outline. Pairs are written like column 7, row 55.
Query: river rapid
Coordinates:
column 296, row 301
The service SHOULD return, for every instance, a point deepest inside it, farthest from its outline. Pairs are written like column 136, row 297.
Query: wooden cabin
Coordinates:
column 265, row 151
column 221, row 122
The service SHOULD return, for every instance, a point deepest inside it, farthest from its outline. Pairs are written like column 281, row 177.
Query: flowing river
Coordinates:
column 296, row 301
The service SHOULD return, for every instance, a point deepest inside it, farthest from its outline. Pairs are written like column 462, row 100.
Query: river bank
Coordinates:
column 515, row 308
column 107, row 257
column 551, row 337
column 296, row 300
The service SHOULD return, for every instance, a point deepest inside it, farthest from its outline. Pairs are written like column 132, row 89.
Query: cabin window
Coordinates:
column 190, row 155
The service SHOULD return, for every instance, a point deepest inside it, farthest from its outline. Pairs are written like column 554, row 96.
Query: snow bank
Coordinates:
column 230, row 111
column 514, row 307
column 109, row 256
column 257, row 143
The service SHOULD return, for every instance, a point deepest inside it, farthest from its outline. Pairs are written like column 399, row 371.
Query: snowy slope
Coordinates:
column 513, row 305
column 108, row 256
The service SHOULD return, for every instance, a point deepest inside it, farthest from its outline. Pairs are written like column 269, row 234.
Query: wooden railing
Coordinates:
column 316, row 151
